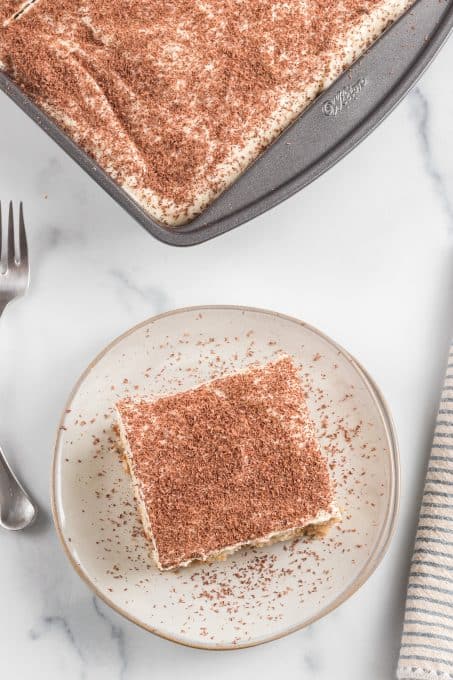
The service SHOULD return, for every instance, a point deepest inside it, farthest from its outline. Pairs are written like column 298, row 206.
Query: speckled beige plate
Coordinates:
column 258, row 594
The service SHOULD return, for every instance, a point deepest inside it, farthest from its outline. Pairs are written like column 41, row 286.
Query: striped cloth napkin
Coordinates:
column 427, row 644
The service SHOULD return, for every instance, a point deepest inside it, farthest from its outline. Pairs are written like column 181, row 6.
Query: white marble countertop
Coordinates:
column 365, row 254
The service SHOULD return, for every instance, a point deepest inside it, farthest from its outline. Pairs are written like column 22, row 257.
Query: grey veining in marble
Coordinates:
column 117, row 636
column 421, row 112
column 48, row 624
column 364, row 253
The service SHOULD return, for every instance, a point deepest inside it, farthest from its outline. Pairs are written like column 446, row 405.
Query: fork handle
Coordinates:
column 17, row 511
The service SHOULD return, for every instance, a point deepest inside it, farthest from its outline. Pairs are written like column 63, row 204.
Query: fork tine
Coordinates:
column 22, row 238
column 10, row 251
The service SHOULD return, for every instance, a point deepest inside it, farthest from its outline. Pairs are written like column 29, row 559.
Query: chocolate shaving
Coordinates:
column 175, row 99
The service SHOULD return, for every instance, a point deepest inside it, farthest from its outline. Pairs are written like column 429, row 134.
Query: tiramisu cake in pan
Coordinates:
column 231, row 463
column 175, row 99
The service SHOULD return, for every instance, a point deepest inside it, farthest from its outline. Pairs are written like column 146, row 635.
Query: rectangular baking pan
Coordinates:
column 334, row 124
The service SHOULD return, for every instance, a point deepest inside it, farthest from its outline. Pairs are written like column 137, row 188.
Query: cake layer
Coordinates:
column 174, row 100
column 233, row 462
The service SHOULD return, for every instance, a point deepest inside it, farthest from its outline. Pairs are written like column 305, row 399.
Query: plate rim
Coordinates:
column 384, row 537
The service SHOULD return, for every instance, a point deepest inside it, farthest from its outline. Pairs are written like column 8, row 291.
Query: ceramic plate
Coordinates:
column 258, row 594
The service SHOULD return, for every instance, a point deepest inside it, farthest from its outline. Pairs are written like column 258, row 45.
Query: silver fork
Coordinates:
column 16, row 509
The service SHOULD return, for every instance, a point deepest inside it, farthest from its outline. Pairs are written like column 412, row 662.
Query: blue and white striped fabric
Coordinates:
column 427, row 644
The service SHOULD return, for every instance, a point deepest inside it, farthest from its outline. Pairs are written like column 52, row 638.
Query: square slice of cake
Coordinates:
column 233, row 462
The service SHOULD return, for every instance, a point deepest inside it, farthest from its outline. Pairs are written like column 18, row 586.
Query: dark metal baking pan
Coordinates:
column 333, row 125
